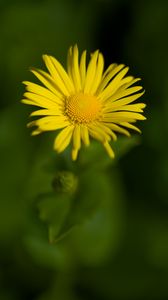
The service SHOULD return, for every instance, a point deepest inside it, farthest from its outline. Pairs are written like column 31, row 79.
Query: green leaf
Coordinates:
column 91, row 192
column 61, row 211
column 53, row 209
column 53, row 256
column 100, row 233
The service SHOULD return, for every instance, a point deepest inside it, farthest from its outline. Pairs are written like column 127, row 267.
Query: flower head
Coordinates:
column 84, row 101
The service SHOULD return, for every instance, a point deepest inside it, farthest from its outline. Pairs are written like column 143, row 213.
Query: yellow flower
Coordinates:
column 84, row 101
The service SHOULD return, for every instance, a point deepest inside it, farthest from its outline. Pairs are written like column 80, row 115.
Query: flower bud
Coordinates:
column 65, row 182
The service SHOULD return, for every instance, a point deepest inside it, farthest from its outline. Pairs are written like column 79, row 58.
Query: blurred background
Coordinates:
column 119, row 248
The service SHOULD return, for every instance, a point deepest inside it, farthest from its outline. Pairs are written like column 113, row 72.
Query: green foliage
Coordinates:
column 76, row 197
column 106, row 220
column 54, row 210
column 48, row 255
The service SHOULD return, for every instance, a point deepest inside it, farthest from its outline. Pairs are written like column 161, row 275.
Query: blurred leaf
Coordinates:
column 64, row 210
column 93, row 188
column 100, row 235
column 87, row 200
column 53, row 209
column 47, row 255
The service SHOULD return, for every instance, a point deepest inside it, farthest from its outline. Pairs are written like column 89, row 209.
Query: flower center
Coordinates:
column 82, row 108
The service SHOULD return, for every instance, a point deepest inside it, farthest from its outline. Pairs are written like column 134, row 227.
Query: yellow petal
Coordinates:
column 75, row 69
column 42, row 91
column 63, row 74
column 125, row 80
column 76, row 142
column 48, row 81
column 124, row 101
column 109, row 69
column 74, row 153
column 123, row 116
column 36, row 132
column 76, row 137
column 98, row 74
column 54, row 126
column 132, row 107
column 118, row 129
column 69, row 63
column 128, row 125
column 40, row 100
column 90, row 74
column 63, row 139
column 127, row 83
column 109, row 149
column 45, row 112
column 107, row 130
column 30, row 102
column 113, row 85
column 98, row 133
column 83, row 68
column 49, row 123
column 85, row 135
column 55, row 75
column 123, row 93
column 108, row 77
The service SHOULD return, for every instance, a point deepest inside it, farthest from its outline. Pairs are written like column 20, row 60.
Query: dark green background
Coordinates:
column 121, row 250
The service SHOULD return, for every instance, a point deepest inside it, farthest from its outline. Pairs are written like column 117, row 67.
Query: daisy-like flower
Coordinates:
column 84, row 101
